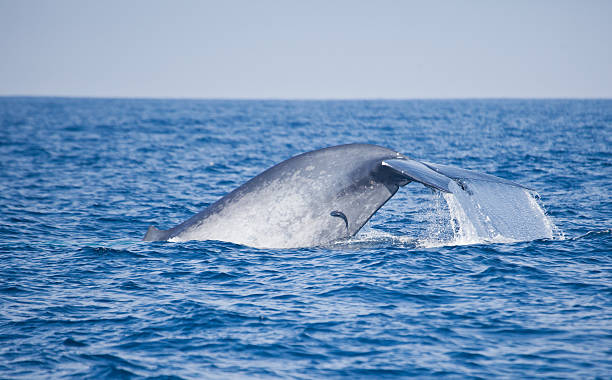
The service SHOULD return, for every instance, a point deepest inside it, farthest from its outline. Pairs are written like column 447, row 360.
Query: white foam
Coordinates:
column 369, row 237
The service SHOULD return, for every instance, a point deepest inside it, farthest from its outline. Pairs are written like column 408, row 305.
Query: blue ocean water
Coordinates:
column 82, row 296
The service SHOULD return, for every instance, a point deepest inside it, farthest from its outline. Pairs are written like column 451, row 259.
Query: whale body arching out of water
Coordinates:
column 314, row 198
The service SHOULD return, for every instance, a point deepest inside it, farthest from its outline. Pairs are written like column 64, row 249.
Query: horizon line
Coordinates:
column 106, row 97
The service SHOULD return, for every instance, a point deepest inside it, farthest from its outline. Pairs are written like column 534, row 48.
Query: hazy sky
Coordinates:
column 306, row 49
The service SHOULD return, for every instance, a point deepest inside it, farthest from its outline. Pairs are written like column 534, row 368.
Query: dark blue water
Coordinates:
column 81, row 296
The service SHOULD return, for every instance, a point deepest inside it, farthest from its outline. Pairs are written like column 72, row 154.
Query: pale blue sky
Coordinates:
column 306, row 49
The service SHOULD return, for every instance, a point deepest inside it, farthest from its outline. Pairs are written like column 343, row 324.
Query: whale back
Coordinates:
column 311, row 199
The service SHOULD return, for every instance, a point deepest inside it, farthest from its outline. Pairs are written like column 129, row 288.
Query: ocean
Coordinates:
column 427, row 289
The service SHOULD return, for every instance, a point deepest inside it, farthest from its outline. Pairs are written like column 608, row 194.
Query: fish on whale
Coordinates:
column 315, row 198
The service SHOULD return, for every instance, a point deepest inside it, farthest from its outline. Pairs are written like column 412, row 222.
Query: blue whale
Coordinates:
column 315, row 198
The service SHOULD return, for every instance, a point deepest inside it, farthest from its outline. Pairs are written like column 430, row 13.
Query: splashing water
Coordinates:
column 487, row 212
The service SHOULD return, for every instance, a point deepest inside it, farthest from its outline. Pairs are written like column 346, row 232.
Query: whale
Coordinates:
column 316, row 198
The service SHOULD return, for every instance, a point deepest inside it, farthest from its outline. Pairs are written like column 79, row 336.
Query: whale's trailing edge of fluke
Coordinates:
column 314, row 198
column 459, row 174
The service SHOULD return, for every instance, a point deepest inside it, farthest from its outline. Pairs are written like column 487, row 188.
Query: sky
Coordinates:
column 306, row 49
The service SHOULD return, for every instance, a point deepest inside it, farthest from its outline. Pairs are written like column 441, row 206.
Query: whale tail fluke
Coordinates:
column 438, row 176
column 154, row 234
column 459, row 174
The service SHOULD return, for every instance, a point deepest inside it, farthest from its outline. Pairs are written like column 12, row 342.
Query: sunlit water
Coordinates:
column 490, row 281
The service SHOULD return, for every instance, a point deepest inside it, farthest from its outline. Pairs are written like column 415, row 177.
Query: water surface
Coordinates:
column 81, row 296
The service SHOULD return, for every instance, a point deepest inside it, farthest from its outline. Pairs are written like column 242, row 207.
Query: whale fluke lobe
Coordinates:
column 287, row 206
column 458, row 174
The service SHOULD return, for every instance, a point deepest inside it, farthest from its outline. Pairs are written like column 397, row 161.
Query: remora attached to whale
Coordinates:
column 314, row 198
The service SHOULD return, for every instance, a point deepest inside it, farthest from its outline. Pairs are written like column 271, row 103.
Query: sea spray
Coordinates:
column 486, row 212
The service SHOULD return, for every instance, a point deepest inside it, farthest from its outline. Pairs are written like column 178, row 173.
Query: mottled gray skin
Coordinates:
column 299, row 202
